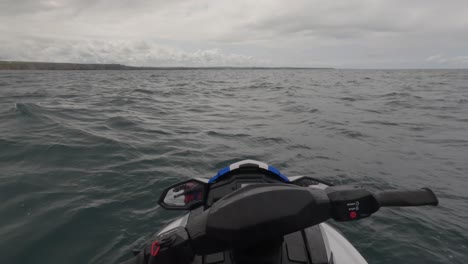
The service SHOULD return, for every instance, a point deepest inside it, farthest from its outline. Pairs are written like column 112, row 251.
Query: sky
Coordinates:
column 295, row 33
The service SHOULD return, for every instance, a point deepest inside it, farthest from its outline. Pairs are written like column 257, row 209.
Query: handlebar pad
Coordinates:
column 417, row 197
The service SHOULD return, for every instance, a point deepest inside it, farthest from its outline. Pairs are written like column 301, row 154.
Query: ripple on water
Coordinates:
column 142, row 91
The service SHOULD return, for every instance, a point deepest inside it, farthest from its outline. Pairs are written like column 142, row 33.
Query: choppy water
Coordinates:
column 84, row 155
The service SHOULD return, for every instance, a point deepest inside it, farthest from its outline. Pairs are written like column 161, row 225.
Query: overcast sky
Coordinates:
column 341, row 34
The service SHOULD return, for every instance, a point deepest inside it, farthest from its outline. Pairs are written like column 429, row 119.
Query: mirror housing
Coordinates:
column 184, row 195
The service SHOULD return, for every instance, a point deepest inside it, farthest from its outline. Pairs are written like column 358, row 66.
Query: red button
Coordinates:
column 352, row 215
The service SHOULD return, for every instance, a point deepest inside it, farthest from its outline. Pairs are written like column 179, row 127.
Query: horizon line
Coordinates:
column 119, row 66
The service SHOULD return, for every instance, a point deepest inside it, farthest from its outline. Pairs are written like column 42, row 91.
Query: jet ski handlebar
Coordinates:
column 424, row 196
column 264, row 213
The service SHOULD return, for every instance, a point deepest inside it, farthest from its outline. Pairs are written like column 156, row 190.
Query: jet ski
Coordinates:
column 250, row 212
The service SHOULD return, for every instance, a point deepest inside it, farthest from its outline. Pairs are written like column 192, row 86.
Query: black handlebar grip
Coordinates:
column 418, row 197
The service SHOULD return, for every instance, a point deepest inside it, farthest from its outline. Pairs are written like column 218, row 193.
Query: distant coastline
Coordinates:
column 28, row 65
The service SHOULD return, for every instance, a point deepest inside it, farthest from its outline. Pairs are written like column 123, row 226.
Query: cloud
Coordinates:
column 436, row 58
column 352, row 33
column 136, row 53
column 440, row 59
column 461, row 59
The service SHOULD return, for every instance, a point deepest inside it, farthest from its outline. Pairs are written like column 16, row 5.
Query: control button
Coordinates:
column 352, row 215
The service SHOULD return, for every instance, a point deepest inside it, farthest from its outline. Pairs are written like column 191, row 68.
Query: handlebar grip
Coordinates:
column 418, row 197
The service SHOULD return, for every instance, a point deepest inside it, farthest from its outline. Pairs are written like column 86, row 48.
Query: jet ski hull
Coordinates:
column 317, row 244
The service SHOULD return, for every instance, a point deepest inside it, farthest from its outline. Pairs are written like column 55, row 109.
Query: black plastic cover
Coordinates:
column 316, row 245
column 265, row 212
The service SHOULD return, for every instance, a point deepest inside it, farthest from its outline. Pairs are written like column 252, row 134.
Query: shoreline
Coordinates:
column 27, row 65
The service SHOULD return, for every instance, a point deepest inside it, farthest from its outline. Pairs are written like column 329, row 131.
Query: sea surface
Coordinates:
column 84, row 155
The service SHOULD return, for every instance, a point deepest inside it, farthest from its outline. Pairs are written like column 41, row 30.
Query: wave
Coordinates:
column 121, row 122
column 383, row 123
column 350, row 99
column 29, row 109
column 351, row 133
column 143, row 91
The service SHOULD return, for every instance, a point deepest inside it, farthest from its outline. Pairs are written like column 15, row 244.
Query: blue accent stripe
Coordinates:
column 277, row 172
column 220, row 173
column 225, row 170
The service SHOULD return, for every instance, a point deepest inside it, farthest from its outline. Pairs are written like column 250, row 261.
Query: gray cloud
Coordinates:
column 441, row 59
column 136, row 53
column 352, row 33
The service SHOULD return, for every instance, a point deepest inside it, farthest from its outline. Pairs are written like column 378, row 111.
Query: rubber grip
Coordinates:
column 419, row 197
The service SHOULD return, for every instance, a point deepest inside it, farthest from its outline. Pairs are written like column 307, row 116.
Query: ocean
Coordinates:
column 84, row 155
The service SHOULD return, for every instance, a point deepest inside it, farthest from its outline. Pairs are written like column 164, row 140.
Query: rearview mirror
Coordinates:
column 183, row 196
